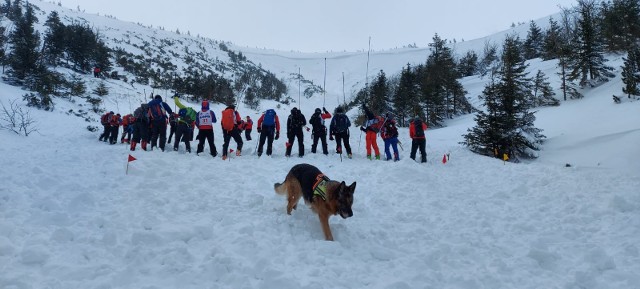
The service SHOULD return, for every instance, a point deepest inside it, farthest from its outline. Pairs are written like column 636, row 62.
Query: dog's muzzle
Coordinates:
column 345, row 213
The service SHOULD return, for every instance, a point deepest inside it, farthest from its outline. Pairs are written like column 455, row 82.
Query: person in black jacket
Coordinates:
column 295, row 123
column 319, row 130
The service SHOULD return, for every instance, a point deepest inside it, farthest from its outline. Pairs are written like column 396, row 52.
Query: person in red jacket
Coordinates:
column 248, row 126
column 114, row 127
column 128, row 122
column 229, row 122
column 268, row 124
column 418, row 140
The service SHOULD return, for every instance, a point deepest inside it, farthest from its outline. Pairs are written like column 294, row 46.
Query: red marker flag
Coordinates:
column 444, row 159
column 130, row 159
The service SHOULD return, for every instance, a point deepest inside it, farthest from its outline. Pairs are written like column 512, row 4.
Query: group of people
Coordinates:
column 147, row 126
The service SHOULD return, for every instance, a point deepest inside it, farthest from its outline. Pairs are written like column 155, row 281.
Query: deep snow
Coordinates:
column 71, row 218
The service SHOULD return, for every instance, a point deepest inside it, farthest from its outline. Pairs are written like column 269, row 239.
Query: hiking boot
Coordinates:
column 224, row 158
column 133, row 146
column 369, row 157
column 238, row 153
column 188, row 150
column 144, row 145
column 349, row 156
column 378, row 157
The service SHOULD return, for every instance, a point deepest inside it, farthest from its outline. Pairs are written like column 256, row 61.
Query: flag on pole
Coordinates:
column 444, row 159
column 130, row 159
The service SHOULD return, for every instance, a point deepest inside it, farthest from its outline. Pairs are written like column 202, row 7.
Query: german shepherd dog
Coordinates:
column 324, row 196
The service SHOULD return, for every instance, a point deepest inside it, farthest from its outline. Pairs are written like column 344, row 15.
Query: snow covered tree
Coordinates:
column 490, row 61
column 542, row 91
column 507, row 126
column 631, row 72
column 534, row 42
column 587, row 62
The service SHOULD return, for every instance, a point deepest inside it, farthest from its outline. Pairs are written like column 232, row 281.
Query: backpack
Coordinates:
column 269, row 117
column 104, row 120
column 315, row 120
column 185, row 116
column 156, row 111
column 417, row 127
column 341, row 123
column 228, row 119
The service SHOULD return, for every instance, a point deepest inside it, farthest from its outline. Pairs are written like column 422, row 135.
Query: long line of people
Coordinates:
column 147, row 126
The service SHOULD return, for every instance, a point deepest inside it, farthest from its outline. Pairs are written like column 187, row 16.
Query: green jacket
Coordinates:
column 190, row 115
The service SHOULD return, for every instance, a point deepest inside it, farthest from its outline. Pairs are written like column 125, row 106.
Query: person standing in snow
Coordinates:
column 128, row 121
column 418, row 139
column 268, row 126
column 173, row 118
column 104, row 120
column 295, row 123
column 141, row 127
column 204, row 122
column 371, row 129
column 229, row 122
column 339, row 128
column 389, row 133
column 319, row 130
column 114, row 127
column 158, row 110
column 184, row 123
column 248, row 126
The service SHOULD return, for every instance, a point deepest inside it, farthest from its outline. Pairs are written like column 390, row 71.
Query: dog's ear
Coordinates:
column 352, row 187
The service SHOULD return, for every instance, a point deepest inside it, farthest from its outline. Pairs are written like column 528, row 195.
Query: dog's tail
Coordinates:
column 280, row 189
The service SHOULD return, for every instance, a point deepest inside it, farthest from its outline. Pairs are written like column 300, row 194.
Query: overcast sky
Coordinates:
column 327, row 25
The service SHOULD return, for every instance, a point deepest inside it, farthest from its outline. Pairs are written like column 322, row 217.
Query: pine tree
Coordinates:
column 379, row 94
column 508, row 125
column 26, row 41
column 620, row 24
column 631, row 72
column 587, row 63
column 542, row 91
column 54, row 39
column 468, row 64
column 489, row 62
column 534, row 42
column 553, row 41
column 3, row 53
column 405, row 101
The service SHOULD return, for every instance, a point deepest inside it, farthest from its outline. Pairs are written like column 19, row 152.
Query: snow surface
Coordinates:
column 71, row 218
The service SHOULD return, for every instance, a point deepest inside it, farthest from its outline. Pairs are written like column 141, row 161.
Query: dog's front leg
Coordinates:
column 324, row 221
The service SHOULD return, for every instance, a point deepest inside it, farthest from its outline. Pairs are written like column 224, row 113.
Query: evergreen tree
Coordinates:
column 54, row 39
column 406, row 101
column 468, row 64
column 443, row 96
column 26, row 41
column 533, row 45
column 620, row 24
column 3, row 53
column 553, row 41
column 587, row 63
column 507, row 125
column 490, row 61
column 631, row 72
column 542, row 91
column 379, row 94
column 566, row 45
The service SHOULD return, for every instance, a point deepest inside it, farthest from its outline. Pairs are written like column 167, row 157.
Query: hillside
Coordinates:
column 71, row 218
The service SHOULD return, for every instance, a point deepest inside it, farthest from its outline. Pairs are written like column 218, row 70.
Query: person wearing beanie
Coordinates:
column 104, row 120
column 158, row 110
column 339, row 128
column 204, row 122
column 319, row 130
column 295, row 123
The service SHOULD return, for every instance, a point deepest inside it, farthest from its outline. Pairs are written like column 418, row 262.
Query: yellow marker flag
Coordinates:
column 505, row 157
